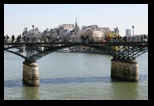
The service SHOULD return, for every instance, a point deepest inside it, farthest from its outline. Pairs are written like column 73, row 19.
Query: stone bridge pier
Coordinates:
column 30, row 73
column 124, row 69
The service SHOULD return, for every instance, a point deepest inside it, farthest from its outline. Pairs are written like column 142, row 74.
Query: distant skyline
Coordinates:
column 43, row 16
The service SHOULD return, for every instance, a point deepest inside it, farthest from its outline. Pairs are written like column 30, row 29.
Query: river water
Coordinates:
column 73, row 76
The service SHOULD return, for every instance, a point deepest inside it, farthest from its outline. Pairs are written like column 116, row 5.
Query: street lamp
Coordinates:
column 133, row 38
column 33, row 33
column 33, row 28
column 133, row 31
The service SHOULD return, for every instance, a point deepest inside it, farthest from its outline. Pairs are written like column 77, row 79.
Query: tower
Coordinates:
column 128, row 32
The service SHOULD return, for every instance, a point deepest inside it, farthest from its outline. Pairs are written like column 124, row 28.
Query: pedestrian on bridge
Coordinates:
column 4, row 39
column 145, row 38
column 27, row 39
column 108, row 38
column 13, row 38
column 7, row 38
column 24, row 38
column 114, row 38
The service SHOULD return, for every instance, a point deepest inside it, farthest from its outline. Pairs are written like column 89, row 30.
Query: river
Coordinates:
column 73, row 76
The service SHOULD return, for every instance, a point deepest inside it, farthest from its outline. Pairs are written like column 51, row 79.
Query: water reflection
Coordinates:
column 20, row 83
column 13, row 83
column 74, row 80
column 30, row 93
column 124, row 91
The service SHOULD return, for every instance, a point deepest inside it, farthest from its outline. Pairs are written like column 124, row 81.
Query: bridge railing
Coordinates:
column 143, row 38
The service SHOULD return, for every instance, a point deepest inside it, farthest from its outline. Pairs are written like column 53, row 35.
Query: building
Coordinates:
column 67, row 26
column 128, row 32
column 34, row 32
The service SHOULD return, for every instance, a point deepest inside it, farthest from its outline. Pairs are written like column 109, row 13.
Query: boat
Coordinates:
column 65, row 50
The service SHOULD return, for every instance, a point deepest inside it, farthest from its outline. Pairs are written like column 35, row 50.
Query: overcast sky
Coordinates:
column 123, row 16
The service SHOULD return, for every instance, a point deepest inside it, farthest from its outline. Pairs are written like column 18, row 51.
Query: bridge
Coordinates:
column 123, row 64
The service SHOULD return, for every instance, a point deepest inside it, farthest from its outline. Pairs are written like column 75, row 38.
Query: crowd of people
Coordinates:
column 107, row 38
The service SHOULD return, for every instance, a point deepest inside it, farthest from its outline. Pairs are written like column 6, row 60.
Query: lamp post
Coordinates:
column 133, row 38
column 133, row 31
column 33, row 28
column 33, row 33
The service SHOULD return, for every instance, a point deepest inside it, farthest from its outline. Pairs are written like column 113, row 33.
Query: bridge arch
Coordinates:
column 124, row 50
column 51, row 49
column 16, row 53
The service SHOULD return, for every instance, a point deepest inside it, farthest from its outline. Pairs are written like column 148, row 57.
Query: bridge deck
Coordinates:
column 125, row 50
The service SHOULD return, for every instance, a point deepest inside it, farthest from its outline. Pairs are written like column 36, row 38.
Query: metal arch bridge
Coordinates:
column 120, row 50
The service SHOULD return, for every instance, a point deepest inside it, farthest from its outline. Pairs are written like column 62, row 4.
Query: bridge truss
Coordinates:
column 121, row 50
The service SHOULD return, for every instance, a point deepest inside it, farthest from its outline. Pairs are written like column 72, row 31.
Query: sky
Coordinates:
column 43, row 16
